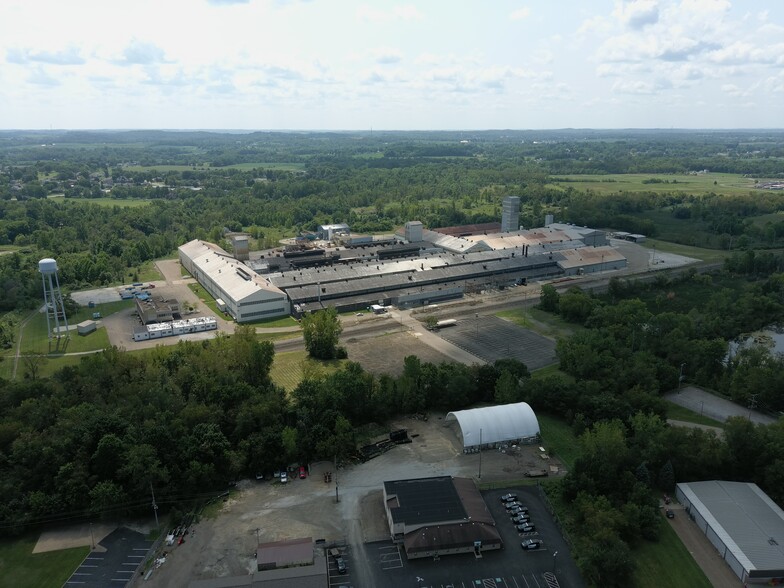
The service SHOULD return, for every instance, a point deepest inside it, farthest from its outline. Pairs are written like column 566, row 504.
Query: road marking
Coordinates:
column 526, row 582
column 141, row 548
column 515, row 582
column 535, row 580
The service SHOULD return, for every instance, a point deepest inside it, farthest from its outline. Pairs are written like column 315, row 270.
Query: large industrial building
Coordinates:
column 490, row 426
column 742, row 523
column 243, row 294
column 413, row 268
column 438, row 516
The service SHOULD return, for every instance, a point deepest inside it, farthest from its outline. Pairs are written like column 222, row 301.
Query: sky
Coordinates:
column 365, row 64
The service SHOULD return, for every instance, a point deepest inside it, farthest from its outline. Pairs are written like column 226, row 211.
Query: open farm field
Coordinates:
column 544, row 323
column 729, row 184
column 24, row 569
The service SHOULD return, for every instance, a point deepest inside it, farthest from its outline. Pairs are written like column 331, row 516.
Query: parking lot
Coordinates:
column 492, row 338
column 511, row 567
column 335, row 577
column 123, row 552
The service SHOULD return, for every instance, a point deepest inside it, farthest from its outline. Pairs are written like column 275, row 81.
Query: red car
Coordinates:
column 302, row 473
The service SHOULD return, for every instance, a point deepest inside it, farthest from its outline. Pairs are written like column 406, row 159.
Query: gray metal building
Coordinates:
column 742, row 523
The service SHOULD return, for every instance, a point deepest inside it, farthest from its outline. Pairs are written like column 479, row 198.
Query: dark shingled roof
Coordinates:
column 426, row 500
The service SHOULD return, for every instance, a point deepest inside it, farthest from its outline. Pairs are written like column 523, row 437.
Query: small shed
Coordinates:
column 86, row 327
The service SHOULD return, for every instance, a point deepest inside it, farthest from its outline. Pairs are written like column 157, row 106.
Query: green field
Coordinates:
column 35, row 337
column 270, row 323
column 680, row 413
column 121, row 202
column 546, row 324
column 35, row 341
column 23, row 569
column 204, row 167
column 729, row 184
column 701, row 253
column 558, row 438
column 291, row 367
column 666, row 563
column 206, row 298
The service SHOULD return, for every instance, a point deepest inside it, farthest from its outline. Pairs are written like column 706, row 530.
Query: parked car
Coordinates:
column 284, row 478
column 302, row 473
column 525, row 528
column 531, row 544
column 340, row 562
column 517, row 510
column 509, row 497
column 521, row 518
column 669, row 513
column 511, row 505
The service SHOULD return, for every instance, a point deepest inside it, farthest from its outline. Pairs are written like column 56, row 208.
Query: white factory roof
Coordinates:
column 454, row 244
column 749, row 523
column 234, row 277
column 586, row 256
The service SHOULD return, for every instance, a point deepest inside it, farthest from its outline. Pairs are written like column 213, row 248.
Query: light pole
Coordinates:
column 680, row 378
column 555, row 553
column 480, row 454
column 92, row 537
column 477, row 324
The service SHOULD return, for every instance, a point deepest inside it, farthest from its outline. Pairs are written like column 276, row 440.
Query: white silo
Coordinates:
column 53, row 299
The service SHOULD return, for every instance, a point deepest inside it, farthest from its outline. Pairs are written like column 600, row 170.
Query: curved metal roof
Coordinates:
column 505, row 422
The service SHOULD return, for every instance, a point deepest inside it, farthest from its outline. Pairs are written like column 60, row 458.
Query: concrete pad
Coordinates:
column 74, row 536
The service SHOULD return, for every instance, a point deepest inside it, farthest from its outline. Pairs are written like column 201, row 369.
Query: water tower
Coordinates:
column 53, row 299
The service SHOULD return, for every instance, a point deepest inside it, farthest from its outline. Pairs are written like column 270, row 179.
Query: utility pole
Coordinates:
column 752, row 403
column 154, row 507
column 680, row 378
column 480, row 454
column 92, row 537
column 337, row 496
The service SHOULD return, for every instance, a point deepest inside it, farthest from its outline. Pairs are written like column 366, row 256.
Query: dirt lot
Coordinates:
column 225, row 545
column 384, row 355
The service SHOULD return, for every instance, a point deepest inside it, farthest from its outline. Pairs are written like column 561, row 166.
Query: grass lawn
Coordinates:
column 680, row 413
column 666, row 563
column 270, row 323
column 707, row 255
column 545, row 323
column 206, row 298
column 558, row 438
column 290, row 368
column 146, row 272
column 23, row 569
column 35, row 338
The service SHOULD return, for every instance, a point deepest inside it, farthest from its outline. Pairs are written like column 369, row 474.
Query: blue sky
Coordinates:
column 345, row 64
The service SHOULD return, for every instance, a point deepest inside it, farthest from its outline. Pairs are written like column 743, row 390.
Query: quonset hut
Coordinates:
column 490, row 426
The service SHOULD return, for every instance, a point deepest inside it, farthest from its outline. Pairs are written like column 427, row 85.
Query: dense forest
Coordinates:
column 91, row 439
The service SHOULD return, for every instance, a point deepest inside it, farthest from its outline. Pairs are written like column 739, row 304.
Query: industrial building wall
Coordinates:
column 712, row 536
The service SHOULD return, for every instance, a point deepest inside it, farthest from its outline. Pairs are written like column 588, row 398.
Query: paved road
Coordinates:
column 714, row 407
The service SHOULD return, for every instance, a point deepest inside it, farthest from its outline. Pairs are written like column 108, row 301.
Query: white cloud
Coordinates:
column 142, row 53
column 637, row 14
column 520, row 13
column 68, row 56
column 400, row 12
column 387, row 55
column 40, row 77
